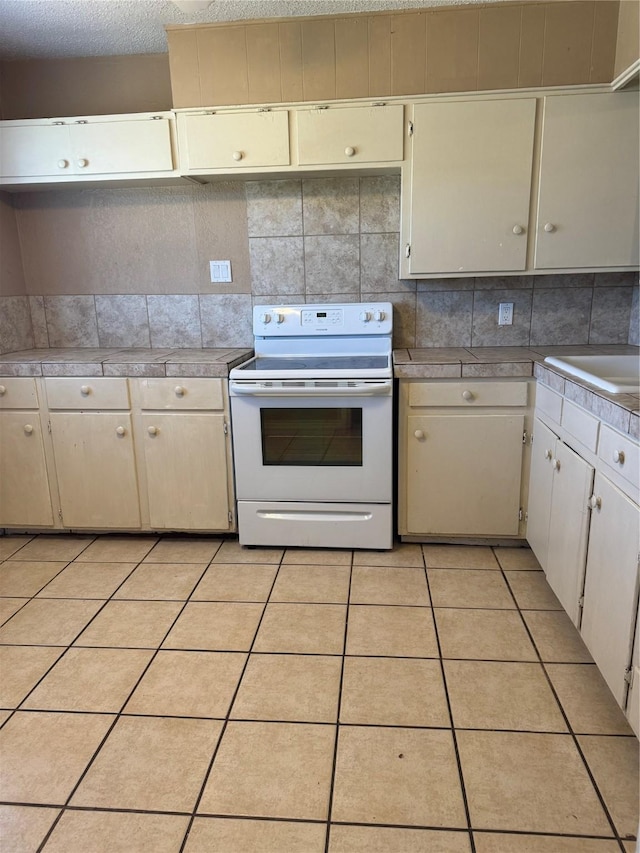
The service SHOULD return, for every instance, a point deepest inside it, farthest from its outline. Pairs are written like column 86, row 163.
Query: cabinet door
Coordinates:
column 588, row 196
column 96, row 471
column 463, row 474
column 186, row 467
column 611, row 584
column 121, row 147
column 633, row 699
column 234, row 140
column 470, row 185
column 351, row 135
column 30, row 151
column 24, row 484
column 540, row 485
column 568, row 528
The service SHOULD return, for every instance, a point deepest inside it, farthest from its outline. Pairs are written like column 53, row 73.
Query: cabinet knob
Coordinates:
column 152, row 430
column 349, row 151
column 237, row 155
column 62, row 164
column 547, row 454
column 3, row 390
column 595, row 502
column 179, row 390
column 556, row 464
column 85, row 390
column 419, row 434
column 517, row 229
column 82, row 163
column 618, row 456
column 28, row 429
column 467, row 395
column 549, row 227
column 120, row 430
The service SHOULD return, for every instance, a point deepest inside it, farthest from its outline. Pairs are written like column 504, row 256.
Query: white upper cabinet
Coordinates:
column 470, row 186
column 588, row 194
column 96, row 149
column 240, row 140
column 350, row 136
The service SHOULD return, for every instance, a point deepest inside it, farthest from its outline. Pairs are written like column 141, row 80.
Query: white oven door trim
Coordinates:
column 370, row 482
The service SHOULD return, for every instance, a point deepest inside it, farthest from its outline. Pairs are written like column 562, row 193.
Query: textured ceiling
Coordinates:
column 64, row 28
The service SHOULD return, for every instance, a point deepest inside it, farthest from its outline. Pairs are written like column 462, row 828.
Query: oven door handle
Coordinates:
column 357, row 389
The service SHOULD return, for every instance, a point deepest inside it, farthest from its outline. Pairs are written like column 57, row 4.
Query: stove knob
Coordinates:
column 365, row 316
column 279, row 318
column 265, row 318
column 378, row 316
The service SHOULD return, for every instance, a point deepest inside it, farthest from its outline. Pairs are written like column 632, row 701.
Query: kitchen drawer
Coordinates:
column 548, row 402
column 580, row 425
column 350, row 135
column 468, row 394
column 87, row 393
column 18, row 393
column 622, row 455
column 201, row 394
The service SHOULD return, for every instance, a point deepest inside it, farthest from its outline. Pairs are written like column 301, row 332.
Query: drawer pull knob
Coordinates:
column 517, row 229
column 3, row 390
column 419, row 434
column 152, row 430
column 180, row 391
column 62, row 164
column 349, row 151
column 82, row 163
column 595, row 502
column 467, row 395
column 547, row 454
column 556, row 464
column 618, row 456
column 28, row 429
column 120, row 430
column 549, row 227
column 237, row 155
column 85, row 390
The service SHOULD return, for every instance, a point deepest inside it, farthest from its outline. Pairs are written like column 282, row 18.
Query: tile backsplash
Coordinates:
column 314, row 240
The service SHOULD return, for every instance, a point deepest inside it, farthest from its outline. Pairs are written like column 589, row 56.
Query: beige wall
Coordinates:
column 149, row 240
column 100, row 85
column 12, row 282
column 628, row 43
column 461, row 48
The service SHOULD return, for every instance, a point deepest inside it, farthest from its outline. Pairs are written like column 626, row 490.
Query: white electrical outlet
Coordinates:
column 220, row 271
column 505, row 314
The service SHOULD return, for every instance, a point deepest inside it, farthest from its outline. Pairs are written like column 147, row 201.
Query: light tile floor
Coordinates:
column 186, row 694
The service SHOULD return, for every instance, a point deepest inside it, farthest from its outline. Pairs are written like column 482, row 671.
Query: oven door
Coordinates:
column 312, row 441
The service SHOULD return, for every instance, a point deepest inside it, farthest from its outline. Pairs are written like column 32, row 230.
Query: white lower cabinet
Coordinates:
column 611, row 584
column 461, row 458
column 558, row 523
column 185, row 454
column 584, row 527
column 24, row 484
column 95, row 470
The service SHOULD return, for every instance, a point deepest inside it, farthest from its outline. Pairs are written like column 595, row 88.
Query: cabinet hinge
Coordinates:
column 525, row 436
column 520, row 514
column 581, row 602
column 156, row 118
column 628, row 675
column 230, row 517
column 48, row 426
column 225, row 428
column 407, row 250
column 264, row 109
column 379, row 104
column 60, row 515
column 410, row 128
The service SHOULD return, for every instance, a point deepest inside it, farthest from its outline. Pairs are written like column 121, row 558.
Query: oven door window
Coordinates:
column 318, row 437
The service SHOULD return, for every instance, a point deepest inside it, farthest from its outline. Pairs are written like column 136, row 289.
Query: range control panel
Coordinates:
column 355, row 318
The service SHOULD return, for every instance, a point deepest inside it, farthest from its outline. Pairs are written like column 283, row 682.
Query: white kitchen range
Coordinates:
column 312, row 427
